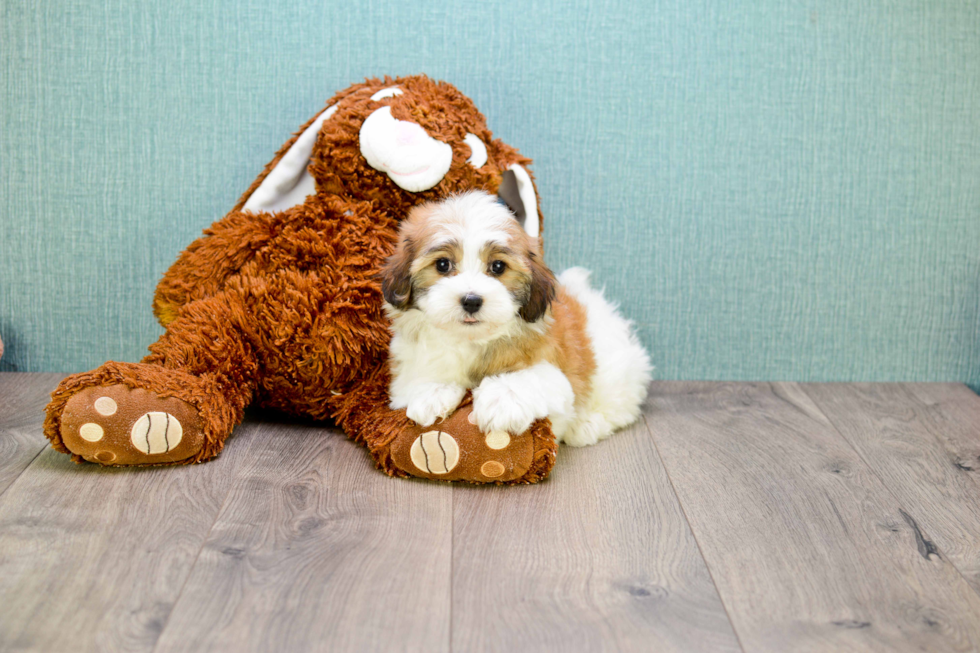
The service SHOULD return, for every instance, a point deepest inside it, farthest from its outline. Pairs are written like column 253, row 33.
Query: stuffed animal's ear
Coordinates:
column 289, row 183
column 396, row 275
column 517, row 192
column 541, row 291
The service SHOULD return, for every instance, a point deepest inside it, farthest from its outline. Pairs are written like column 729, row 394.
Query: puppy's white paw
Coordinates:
column 503, row 403
column 427, row 402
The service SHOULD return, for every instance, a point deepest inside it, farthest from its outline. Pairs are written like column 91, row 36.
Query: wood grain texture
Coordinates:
column 93, row 559
column 317, row 551
column 599, row 557
column 809, row 550
column 22, row 401
column 842, row 526
column 952, row 411
column 924, row 447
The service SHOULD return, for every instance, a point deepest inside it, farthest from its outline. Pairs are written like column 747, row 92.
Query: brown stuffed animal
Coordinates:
column 279, row 305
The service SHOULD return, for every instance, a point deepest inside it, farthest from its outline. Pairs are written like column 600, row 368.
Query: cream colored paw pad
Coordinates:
column 105, row 406
column 435, row 452
column 156, row 432
column 91, row 432
column 498, row 439
column 492, row 469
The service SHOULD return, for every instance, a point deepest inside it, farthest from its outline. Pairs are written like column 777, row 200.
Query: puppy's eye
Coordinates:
column 443, row 265
column 498, row 267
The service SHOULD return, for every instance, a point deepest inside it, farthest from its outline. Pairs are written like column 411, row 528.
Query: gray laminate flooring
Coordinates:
column 735, row 516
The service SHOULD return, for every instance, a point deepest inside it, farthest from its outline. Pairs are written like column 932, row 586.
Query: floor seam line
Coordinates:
column 690, row 528
column 21, row 472
column 204, row 542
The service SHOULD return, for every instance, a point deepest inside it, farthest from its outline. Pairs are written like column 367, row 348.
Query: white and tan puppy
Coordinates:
column 474, row 308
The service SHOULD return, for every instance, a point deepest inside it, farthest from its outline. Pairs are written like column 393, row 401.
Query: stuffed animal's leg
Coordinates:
column 451, row 450
column 177, row 406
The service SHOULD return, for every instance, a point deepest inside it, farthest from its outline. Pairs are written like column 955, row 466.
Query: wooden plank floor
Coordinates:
column 735, row 516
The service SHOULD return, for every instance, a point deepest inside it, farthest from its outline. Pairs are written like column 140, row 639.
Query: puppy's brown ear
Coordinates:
column 541, row 290
column 396, row 278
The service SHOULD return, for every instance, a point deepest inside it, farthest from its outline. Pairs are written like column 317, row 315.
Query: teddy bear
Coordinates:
column 279, row 306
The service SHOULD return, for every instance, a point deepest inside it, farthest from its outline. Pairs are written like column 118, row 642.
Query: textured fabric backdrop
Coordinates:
column 773, row 189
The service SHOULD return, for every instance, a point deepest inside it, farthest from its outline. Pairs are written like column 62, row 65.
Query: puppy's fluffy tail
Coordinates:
column 576, row 280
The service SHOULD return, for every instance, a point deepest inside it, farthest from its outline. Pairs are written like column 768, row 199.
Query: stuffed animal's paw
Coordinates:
column 119, row 425
column 136, row 414
column 456, row 450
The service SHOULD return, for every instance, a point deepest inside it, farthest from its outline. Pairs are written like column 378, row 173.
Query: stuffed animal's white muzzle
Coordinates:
column 404, row 151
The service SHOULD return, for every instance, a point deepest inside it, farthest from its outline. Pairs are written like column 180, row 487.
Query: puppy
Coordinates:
column 473, row 307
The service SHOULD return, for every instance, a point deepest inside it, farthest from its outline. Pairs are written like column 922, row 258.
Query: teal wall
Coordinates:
column 773, row 189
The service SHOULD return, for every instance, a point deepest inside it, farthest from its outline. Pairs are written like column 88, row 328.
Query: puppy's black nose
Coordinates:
column 471, row 303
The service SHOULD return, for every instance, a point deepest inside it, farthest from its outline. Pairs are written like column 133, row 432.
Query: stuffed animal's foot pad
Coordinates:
column 119, row 425
column 435, row 452
column 456, row 450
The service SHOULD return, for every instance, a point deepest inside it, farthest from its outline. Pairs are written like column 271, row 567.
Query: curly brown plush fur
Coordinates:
column 283, row 310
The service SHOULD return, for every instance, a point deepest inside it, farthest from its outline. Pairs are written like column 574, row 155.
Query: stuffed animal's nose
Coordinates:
column 471, row 303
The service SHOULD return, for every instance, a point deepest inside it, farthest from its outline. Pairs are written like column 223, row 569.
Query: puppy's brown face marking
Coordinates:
column 540, row 290
column 403, row 278
column 396, row 275
column 434, row 265
column 518, row 266
column 507, row 265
